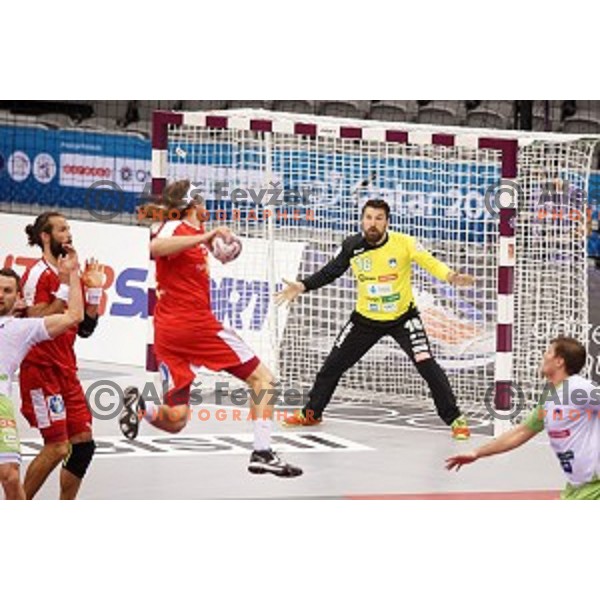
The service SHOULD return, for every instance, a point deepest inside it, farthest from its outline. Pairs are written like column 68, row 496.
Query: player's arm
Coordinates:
column 93, row 280
column 436, row 267
column 508, row 441
column 330, row 272
column 57, row 324
column 166, row 246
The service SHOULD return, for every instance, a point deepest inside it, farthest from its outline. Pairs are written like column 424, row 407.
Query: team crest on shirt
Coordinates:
column 393, row 263
column 56, row 407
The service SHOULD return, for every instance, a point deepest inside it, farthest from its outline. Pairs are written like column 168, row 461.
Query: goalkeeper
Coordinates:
column 382, row 264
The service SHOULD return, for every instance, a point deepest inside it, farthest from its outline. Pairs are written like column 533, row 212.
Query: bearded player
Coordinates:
column 382, row 264
column 569, row 411
column 187, row 333
column 53, row 399
column 17, row 336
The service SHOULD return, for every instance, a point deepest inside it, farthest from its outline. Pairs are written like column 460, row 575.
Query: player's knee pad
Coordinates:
column 80, row 458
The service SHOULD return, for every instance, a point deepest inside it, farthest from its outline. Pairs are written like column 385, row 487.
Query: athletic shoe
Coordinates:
column 460, row 429
column 131, row 415
column 267, row 461
column 299, row 419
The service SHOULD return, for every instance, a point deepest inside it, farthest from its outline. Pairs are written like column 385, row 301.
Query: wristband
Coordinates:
column 62, row 293
column 94, row 296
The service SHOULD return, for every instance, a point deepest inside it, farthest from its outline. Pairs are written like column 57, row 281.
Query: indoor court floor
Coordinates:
column 360, row 451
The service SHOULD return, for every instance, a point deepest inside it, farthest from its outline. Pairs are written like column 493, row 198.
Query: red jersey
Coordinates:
column 182, row 280
column 40, row 283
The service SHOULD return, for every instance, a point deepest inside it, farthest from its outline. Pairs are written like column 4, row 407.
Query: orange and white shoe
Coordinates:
column 460, row 429
column 299, row 419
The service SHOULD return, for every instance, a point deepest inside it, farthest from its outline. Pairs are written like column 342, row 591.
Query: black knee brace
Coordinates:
column 79, row 458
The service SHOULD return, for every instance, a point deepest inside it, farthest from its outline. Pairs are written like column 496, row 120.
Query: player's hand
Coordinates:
column 223, row 231
column 20, row 308
column 67, row 264
column 461, row 280
column 289, row 293
column 456, row 462
column 93, row 275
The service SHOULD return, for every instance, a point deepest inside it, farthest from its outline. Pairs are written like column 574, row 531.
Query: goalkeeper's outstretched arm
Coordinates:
column 330, row 272
column 437, row 268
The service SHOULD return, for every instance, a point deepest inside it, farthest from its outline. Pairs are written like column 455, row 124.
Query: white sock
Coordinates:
column 262, row 433
column 151, row 411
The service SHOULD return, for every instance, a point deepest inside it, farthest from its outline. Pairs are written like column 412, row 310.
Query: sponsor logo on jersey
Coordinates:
column 358, row 251
column 393, row 263
column 373, row 307
column 56, row 406
column 362, row 278
column 561, row 433
column 390, row 307
column 388, row 277
column 7, row 423
column 378, row 290
column 391, row 298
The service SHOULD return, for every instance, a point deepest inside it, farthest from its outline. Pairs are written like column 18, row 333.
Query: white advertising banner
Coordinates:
column 121, row 333
column 242, row 297
column 82, row 170
column 241, row 294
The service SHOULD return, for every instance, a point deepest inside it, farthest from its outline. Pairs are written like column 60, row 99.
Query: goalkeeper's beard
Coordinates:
column 374, row 236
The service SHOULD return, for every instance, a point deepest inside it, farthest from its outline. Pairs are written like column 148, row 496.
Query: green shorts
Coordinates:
column 10, row 449
column 587, row 491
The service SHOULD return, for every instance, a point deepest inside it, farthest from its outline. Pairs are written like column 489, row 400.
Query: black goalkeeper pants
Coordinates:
column 358, row 337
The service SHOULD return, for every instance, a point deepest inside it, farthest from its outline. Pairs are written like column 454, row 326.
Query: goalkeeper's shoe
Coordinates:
column 132, row 413
column 267, row 461
column 460, row 429
column 299, row 419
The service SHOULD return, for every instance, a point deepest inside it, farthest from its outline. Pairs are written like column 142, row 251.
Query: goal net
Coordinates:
column 294, row 190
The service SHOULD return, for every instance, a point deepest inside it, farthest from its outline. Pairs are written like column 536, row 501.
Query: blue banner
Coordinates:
column 57, row 167
column 60, row 168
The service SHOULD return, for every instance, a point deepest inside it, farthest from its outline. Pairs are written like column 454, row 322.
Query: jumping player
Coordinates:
column 382, row 263
column 17, row 336
column 187, row 333
column 53, row 399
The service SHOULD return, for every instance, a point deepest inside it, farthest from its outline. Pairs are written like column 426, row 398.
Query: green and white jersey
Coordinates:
column 17, row 336
column 570, row 414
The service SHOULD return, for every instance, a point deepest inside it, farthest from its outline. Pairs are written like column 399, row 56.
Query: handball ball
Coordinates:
column 225, row 251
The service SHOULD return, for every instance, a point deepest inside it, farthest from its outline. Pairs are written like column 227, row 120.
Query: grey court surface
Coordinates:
column 360, row 451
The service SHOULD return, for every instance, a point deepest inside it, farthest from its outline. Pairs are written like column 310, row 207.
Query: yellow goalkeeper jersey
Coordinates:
column 383, row 273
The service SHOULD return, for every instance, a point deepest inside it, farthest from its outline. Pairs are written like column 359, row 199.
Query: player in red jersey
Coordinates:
column 17, row 336
column 187, row 333
column 53, row 399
